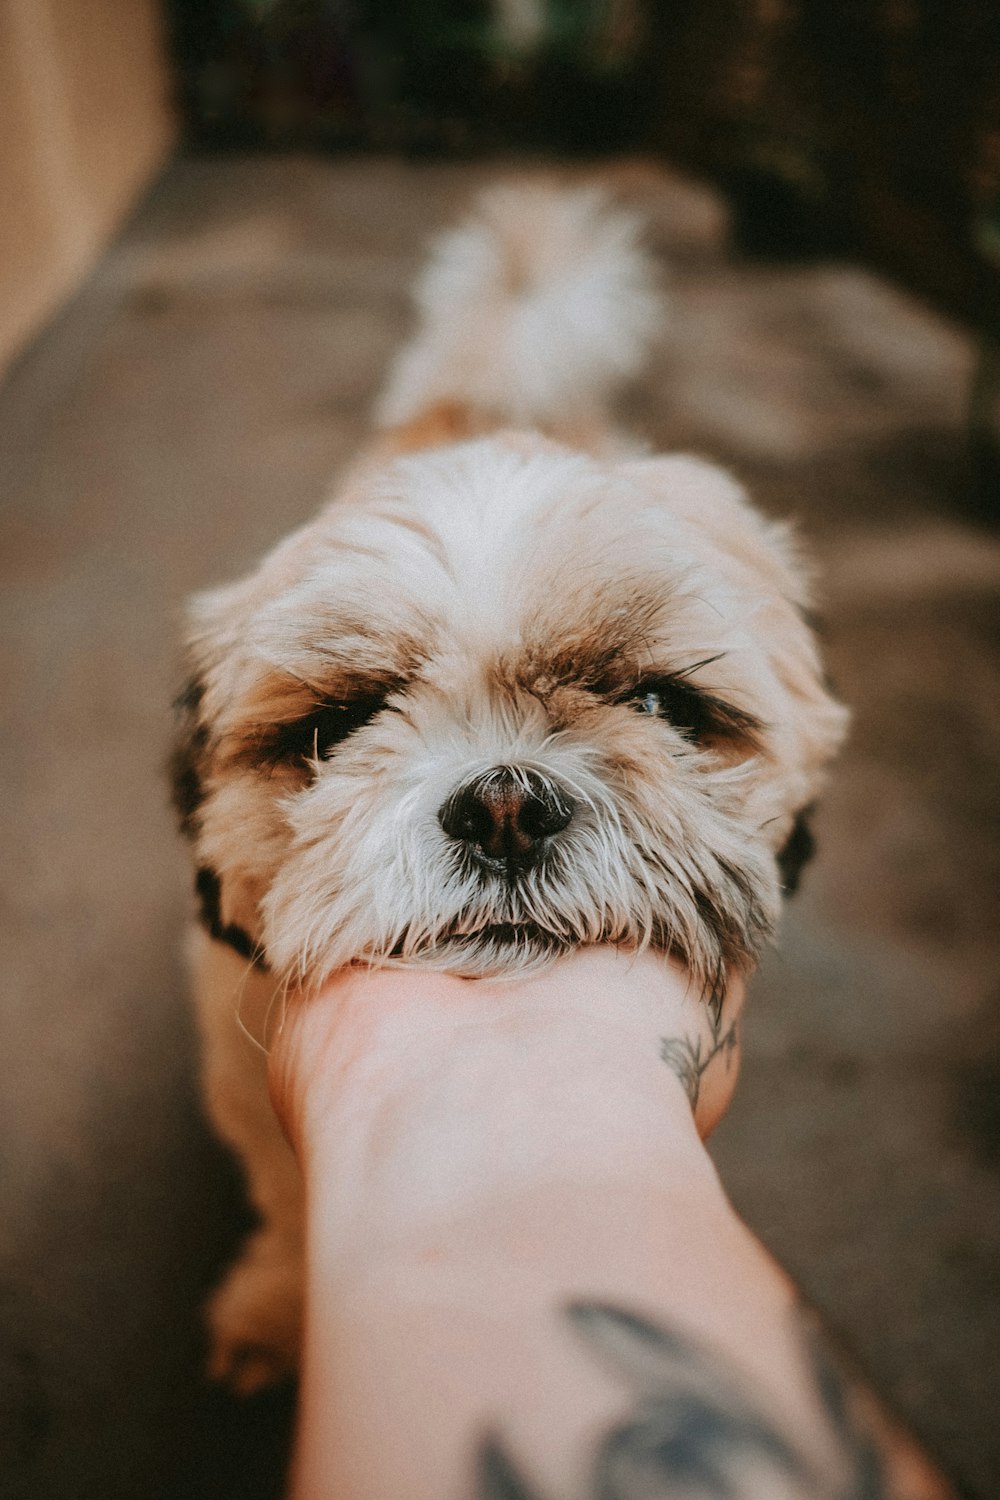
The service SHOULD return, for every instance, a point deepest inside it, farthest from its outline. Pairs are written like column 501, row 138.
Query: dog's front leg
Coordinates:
column 254, row 1317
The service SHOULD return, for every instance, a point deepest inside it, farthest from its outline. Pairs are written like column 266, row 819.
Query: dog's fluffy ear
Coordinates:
column 751, row 549
column 797, row 851
column 189, row 768
column 760, row 561
column 187, row 758
column 208, row 631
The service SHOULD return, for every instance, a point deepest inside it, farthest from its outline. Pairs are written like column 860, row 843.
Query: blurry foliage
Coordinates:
column 420, row 75
column 871, row 126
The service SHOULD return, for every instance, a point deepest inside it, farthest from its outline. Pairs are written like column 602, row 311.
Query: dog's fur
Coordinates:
column 500, row 595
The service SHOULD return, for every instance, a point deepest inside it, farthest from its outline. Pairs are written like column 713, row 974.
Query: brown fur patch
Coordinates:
column 607, row 657
column 282, row 709
column 599, row 651
column 186, row 765
column 453, row 422
column 444, row 422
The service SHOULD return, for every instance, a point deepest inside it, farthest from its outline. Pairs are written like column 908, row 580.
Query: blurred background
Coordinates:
column 210, row 215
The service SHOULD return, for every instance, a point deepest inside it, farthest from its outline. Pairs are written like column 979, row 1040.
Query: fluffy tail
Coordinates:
column 531, row 312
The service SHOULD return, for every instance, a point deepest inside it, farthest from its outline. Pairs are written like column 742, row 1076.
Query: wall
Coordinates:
column 85, row 121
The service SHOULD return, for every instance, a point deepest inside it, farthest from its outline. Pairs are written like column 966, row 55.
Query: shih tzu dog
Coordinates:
column 519, row 686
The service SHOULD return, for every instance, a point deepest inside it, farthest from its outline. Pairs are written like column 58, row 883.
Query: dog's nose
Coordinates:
column 507, row 814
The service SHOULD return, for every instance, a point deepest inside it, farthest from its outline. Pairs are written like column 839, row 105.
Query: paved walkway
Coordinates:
column 178, row 418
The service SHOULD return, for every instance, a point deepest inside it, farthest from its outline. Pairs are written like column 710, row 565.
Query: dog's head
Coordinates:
column 499, row 699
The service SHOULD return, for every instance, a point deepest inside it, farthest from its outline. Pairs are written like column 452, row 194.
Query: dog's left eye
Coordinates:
column 328, row 725
column 698, row 715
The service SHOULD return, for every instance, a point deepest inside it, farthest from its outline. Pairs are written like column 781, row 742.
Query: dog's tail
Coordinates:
column 532, row 312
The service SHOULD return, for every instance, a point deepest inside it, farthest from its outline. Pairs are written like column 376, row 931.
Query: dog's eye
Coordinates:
column 329, row 724
column 698, row 715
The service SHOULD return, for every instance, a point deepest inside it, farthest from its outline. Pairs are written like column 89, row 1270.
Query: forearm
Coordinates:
column 520, row 1257
column 489, row 1338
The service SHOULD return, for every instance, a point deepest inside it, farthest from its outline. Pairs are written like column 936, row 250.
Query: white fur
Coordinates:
column 531, row 312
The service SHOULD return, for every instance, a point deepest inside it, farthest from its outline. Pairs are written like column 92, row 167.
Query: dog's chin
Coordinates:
column 514, row 950
column 499, row 950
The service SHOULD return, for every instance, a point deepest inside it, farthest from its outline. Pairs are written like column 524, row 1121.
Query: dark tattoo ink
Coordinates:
column 497, row 1477
column 866, row 1469
column 690, row 1059
column 693, row 1432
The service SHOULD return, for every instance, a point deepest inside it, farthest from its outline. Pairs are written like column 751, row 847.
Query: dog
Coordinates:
column 520, row 686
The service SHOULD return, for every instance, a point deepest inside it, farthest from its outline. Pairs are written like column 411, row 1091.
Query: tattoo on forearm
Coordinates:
column 693, row 1432
column 690, row 1059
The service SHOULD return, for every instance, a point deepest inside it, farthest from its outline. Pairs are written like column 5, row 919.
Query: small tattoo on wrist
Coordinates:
column 690, row 1059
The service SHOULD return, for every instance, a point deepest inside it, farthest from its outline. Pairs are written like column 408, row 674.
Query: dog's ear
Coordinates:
column 187, row 780
column 759, row 559
column 213, row 624
column 752, row 551
column 208, row 889
column 187, row 759
column 798, row 850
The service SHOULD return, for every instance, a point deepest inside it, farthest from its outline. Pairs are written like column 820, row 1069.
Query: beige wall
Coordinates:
column 85, row 121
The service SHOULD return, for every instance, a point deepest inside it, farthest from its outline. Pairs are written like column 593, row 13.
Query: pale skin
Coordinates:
column 524, row 1281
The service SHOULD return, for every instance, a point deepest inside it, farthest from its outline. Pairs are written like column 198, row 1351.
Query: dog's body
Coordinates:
column 515, row 689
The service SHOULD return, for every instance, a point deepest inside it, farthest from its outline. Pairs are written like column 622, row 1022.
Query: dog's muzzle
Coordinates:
column 506, row 817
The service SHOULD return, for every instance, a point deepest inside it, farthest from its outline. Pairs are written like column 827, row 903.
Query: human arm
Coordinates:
column 524, row 1278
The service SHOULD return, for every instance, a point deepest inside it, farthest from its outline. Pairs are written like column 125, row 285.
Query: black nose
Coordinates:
column 506, row 814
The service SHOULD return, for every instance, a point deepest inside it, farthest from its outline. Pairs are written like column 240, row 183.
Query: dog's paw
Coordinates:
column 255, row 1317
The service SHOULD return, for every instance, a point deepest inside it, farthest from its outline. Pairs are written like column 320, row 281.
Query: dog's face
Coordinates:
column 500, row 699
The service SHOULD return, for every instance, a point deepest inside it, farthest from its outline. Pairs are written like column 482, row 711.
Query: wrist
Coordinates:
column 417, row 1099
